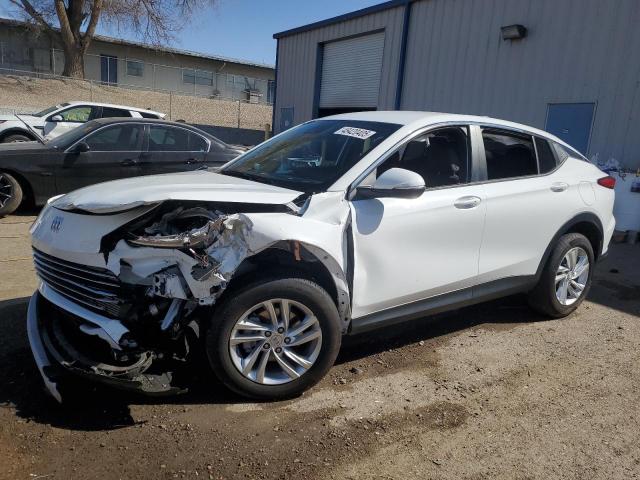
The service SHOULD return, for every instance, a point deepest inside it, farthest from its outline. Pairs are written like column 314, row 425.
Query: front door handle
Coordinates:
column 129, row 162
column 559, row 186
column 465, row 203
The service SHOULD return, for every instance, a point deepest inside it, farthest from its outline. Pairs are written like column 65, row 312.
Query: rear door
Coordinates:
column 172, row 149
column 114, row 152
column 528, row 200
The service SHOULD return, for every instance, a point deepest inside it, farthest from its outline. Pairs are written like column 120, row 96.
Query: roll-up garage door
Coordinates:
column 351, row 72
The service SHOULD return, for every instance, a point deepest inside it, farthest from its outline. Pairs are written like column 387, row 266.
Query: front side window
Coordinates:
column 117, row 138
column 79, row 114
column 49, row 110
column 312, row 156
column 508, row 154
column 442, row 157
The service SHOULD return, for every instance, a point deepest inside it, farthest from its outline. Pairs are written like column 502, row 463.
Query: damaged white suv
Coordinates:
column 334, row 227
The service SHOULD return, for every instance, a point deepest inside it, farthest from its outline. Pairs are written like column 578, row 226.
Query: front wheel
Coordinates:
column 274, row 339
column 566, row 278
column 10, row 194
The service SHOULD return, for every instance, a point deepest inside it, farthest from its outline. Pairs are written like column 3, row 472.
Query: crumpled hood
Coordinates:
column 199, row 185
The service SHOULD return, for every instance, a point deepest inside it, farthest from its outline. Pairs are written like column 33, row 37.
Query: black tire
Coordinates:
column 238, row 302
column 16, row 137
column 543, row 297
column 11, row 187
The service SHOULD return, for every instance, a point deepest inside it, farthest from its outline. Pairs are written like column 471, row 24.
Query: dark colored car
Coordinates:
column 102, row 150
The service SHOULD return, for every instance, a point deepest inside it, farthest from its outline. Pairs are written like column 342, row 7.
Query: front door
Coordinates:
column 572, row 123
column 68, row 119
column 406, row 250
column 114, row 153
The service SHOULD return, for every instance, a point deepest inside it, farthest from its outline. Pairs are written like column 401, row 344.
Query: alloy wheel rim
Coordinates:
column 275, row 342
column 572, row 276
column 6, row 190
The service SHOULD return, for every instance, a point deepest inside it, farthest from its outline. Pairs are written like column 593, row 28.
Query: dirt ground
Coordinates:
column 492, row 391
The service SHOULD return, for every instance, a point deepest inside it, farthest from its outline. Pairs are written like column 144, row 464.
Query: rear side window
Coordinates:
column 509, row 155
column 546, row 158
column 148, row 115
column 197, row 143
column 108, row 112
column 168, row 139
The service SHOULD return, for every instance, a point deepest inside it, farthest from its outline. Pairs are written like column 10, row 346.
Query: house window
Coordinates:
column 197, row 77
column 135, row 68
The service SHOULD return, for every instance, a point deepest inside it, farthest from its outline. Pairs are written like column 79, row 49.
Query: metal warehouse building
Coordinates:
column 569, row 66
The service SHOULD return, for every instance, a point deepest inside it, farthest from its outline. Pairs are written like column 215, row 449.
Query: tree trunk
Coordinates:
column 73, row 63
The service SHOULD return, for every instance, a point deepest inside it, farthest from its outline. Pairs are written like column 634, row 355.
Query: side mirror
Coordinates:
column 56, row 118
column 394, row 183
column 81, row 147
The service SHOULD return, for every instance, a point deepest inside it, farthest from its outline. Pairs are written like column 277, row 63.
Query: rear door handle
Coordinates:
column 465, row 203
column 128, row 162
column 559, row 186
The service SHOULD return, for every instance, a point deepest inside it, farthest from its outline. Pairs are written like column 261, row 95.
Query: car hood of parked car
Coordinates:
column 199, row 185
column 18, row 148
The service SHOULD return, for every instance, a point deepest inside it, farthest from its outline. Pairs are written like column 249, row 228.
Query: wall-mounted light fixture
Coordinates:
column 513, row 32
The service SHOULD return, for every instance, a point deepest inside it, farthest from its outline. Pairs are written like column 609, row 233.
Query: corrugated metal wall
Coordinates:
column 296, row 73
column 576, row 51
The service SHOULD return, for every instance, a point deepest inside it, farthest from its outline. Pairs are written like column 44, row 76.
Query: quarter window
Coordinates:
column 509, row 155
column 118, row 138
column 546, row 158
column 441, row 157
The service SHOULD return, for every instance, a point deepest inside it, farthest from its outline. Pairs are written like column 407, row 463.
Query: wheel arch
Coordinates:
column 298, row 258
column 587, row 224
column 16, row 131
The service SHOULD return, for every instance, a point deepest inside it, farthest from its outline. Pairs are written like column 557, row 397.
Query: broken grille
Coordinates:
column 94, row 288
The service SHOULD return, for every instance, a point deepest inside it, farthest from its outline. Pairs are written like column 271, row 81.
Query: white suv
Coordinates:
column 334, row 227
column 56, row 120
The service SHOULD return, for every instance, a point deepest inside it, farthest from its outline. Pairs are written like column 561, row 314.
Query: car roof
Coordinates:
column 124, row 107
column 152, row 121
column 417, row 120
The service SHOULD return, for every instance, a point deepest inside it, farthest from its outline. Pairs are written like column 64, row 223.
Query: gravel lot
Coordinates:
column 492, row 391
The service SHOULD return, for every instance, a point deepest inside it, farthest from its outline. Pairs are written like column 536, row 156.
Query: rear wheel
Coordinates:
column 10, row 194
column 274, row 339
column 566, row 278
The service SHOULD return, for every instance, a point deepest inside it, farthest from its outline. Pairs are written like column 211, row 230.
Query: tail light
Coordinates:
column 607, row 182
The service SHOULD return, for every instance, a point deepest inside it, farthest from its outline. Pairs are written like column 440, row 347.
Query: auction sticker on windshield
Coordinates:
column 355, row 132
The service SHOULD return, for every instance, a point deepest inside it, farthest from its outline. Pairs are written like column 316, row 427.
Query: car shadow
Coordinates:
column 94, row 407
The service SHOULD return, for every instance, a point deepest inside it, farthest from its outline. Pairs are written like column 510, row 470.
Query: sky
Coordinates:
column 244, row 29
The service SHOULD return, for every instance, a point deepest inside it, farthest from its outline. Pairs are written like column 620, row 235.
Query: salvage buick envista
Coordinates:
column 336, row 226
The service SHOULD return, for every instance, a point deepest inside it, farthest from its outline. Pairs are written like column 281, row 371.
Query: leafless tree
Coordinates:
column 73, row 22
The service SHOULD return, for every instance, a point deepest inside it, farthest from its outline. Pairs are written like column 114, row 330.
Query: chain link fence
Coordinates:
column 24, row 92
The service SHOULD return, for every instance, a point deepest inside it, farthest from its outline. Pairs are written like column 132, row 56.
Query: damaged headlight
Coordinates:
column 166, row 232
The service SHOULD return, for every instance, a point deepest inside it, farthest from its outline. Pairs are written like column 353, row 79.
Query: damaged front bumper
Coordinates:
column 67, row 338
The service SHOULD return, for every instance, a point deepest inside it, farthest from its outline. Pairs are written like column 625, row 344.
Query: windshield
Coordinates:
column 47, row 111
column 312, row 156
